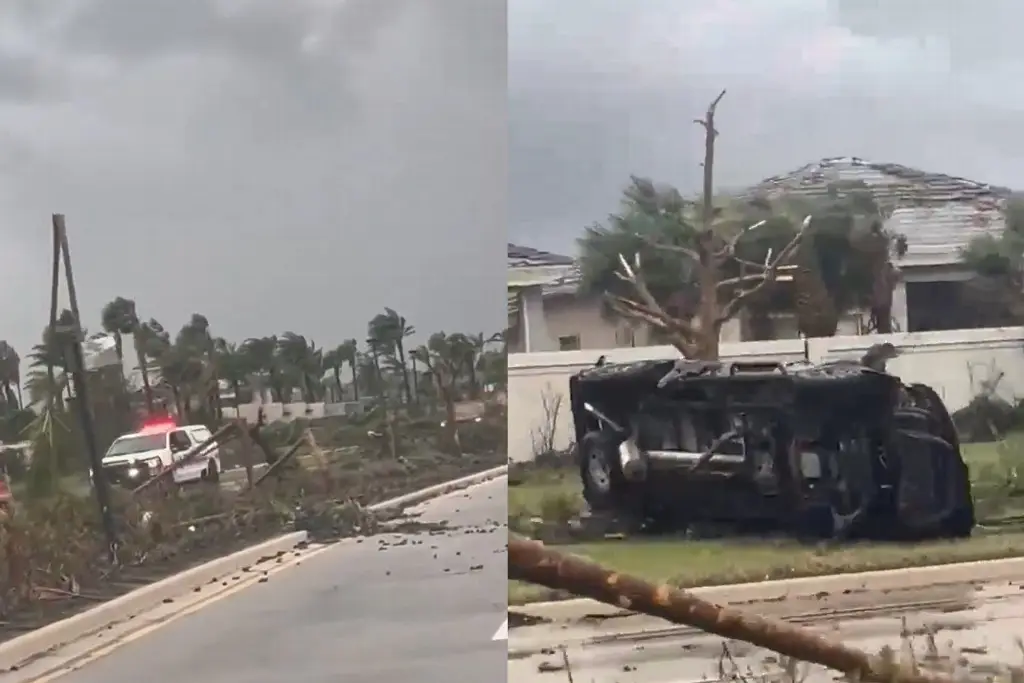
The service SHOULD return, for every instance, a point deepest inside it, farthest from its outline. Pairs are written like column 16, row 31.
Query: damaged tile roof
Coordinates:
column 938, row 213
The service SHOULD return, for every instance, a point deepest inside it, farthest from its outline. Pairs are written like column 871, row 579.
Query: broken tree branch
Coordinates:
column 729, row 250
column 648, row 309
column 671, row 248
column 768, row 277
column 532, row 561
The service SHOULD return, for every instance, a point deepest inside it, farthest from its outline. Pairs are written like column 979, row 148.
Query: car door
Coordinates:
column 202, row 435
column 180, row 445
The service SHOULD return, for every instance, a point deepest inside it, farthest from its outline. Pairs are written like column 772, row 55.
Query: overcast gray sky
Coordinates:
column 273, row 165
column 599, row 89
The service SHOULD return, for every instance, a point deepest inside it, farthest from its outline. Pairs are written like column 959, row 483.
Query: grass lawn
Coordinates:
column 718, row 562
column 540, row 487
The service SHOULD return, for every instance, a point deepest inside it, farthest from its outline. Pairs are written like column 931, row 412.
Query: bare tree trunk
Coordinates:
column 415, row 380
column 55, row 399
column 452, row 426
column 708, row 272
column 147, row 390
column 410, row 399
column 337, row 383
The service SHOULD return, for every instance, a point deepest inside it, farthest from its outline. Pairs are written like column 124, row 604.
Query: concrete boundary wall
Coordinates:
column 957, row 364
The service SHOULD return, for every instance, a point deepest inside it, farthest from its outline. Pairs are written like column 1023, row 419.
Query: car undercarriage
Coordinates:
column 834, row 450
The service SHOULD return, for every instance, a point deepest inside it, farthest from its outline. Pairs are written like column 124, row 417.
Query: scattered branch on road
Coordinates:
column 532, row 561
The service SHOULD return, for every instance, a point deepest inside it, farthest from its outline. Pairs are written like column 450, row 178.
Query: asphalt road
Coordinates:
column 392, row 609
column 974, row 625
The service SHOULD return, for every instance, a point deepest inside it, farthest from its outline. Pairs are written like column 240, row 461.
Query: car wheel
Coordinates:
column 599, row 471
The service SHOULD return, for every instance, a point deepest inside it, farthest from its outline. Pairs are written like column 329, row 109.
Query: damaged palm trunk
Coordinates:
column 835, row 450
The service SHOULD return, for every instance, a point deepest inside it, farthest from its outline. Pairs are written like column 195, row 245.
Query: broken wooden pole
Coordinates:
column 532, row 561
column 276, row 465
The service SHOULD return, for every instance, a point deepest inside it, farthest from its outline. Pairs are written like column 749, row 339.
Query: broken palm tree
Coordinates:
column 533, row 562
column 443, row 359
column 719, row 298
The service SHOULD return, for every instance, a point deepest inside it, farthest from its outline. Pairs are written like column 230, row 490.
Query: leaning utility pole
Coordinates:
column 73, row 334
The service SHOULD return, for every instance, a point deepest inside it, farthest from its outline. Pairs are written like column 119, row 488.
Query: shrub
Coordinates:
column 987, row 418
column 560, row 507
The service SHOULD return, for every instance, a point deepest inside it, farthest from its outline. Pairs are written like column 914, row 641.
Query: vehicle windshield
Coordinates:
column 137, row 444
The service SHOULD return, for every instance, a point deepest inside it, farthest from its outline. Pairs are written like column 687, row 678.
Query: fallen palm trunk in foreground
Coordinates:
column 533, row 562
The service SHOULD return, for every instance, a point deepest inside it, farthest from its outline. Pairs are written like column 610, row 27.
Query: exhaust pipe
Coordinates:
column 632, row 461
column 688, row 458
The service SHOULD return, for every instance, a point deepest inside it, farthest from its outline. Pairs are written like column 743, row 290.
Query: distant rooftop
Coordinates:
column 890, row 183
column 526, row 257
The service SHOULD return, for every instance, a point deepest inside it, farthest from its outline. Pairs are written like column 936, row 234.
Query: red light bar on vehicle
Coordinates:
column 158, row 424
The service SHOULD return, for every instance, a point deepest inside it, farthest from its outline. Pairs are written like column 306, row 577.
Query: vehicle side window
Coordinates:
column 179, row 440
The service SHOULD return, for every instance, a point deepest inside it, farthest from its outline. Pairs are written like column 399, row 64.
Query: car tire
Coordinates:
column 599, row 471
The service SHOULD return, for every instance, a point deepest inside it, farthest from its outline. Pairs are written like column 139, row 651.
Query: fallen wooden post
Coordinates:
column 532, row 561
column 276, row 465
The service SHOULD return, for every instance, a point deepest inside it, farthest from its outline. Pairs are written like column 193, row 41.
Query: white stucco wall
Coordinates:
column 954, row 363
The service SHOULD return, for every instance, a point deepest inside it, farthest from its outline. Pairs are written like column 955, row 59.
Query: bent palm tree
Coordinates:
column 261, row 355
column 10, row 375
column 391, row 330
column 306, row 360
column 348, row 352
column 443, row 359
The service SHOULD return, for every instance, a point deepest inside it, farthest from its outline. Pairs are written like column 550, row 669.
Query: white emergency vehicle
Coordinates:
column 134, row 458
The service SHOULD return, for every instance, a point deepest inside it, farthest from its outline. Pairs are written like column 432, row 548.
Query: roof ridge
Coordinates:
column 523, row 256
column 942, row 183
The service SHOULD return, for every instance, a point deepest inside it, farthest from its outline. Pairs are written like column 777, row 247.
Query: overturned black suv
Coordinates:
column 833, row 450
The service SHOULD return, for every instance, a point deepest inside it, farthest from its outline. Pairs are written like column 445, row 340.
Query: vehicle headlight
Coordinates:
column 133, row 472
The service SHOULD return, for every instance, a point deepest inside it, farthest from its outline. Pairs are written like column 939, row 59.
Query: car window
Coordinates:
column 138, row 443
column 179, row 439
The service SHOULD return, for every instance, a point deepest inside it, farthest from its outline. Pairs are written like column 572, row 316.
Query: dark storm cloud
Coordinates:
column 597, row 92
column 274, row 165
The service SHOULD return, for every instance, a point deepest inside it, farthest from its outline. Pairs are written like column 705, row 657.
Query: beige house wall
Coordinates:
column 569, row 315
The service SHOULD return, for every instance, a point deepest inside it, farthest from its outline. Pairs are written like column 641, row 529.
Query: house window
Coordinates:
column 570, row 343
column 952, row 305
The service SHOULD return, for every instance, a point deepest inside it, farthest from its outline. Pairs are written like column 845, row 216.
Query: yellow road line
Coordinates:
column 91, row 656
